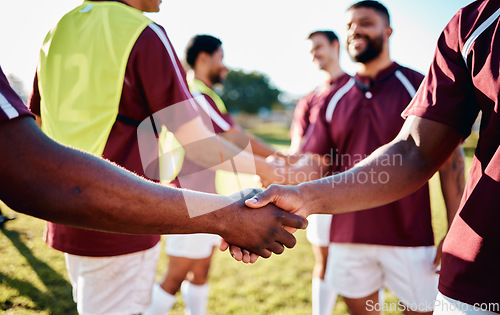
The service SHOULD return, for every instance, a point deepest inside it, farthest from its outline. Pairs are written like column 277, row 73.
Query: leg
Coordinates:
column 361, row 306
column 195, row 290
column 323, row 296
column 178, row 268
column 318, row 234
column 164, row 293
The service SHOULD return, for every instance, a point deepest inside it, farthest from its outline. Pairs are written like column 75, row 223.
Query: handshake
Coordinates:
column 275, row 212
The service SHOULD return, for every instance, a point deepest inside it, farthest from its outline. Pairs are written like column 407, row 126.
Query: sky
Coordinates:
column 267, row 36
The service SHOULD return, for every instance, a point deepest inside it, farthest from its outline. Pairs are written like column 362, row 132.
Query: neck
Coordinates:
column 334, row 71
column 203, row 78
column 373, row 67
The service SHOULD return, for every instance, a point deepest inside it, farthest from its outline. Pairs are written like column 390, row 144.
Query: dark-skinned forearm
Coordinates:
column 414, row 156
column 69, row 187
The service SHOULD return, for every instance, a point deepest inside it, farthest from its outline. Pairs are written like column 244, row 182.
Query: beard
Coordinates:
column 373, row 49
column 216, row 77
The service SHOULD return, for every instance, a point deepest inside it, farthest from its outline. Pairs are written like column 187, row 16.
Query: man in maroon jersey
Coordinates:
column 325, row 49
column 463, row 80
column 392, row 245
column 153, row 82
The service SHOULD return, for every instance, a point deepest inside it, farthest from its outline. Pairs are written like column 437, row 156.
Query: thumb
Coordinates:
column 261, row 199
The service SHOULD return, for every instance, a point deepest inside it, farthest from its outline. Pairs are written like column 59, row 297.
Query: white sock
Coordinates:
column 161, row 302
column 195, row 298
column 323, row 297
column 381, row 295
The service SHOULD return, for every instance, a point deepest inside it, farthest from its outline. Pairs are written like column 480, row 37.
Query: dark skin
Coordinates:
column 70, row 187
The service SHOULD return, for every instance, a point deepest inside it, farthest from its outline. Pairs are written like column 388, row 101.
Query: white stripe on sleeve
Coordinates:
column 407, row 84
column 208, row 109
column 7, row 107
column 171, row 54
column 468, row 44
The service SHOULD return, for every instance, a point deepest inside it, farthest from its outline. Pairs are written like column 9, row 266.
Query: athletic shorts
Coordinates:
column 358, row 270
column 194, row 246
column 318, row 229
column 113, row 285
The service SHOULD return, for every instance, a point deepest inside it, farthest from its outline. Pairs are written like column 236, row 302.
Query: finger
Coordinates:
column 293, row 221
column 246, row 256
column 265, row 253
column 286, row 239
column 276, row 247
column 236, row 253
column 261, row 199
column 253, row 258
column 223, row 246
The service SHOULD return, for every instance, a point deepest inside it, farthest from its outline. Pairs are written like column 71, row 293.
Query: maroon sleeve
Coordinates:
column 226, row 117
column 301, row 113
column 446, row 94
column 157, row 75
column 317, row 137
column 34, row 100
column 11, row 105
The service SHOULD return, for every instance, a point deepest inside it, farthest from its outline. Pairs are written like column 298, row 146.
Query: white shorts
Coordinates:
column 318, row 229
column 194, row 246
column 448, row 306
column 357, row 270
column 113, row 285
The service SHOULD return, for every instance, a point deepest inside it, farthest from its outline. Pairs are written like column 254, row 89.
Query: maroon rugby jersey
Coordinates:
column 358, row 118
column 307, row 108
column 11, row 105
column 154, row 79
column 463, row 80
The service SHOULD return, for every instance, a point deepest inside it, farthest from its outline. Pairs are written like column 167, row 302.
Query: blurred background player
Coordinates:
column 325, row 48
column 190, row 255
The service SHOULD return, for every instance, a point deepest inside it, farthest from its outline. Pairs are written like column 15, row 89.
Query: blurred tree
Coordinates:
column 248, row 92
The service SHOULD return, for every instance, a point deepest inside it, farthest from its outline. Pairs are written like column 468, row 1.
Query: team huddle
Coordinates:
column 95, row 94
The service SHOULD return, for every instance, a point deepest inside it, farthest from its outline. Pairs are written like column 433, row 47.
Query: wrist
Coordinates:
column 307, row 193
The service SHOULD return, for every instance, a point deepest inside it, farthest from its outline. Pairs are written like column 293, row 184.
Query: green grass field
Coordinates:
column 33, row 277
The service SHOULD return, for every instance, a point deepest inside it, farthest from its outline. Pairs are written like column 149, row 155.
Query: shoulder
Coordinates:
column 413, row 76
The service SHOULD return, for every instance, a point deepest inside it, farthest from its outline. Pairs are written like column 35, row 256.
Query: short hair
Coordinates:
column 375, row 5
column 201, row 43
column 330, row 35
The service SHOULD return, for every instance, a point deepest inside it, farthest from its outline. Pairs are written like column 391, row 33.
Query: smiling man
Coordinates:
column 392, row 245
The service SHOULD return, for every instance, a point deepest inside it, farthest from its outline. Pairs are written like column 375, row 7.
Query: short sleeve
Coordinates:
column 11, row 105
column 317, row 138
column 301, row 117
column 447, row 94
column 160, row 79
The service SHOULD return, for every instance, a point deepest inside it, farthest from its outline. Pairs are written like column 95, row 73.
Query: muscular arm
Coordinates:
column 44, row 179
column 398, row 168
